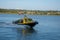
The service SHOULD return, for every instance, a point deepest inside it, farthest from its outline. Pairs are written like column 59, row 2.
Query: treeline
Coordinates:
column 34, row 12
column 8, row 11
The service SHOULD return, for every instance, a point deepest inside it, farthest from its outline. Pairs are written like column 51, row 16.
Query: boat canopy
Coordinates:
column 25, row 19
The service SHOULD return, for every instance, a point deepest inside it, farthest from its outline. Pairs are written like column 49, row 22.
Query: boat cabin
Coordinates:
column 26, row 20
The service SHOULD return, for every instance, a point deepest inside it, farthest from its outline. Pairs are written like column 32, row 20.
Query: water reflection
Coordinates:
column 26, row 30
column 25, row 33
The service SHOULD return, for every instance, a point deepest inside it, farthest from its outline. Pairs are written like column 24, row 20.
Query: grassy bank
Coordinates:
column 33, row 12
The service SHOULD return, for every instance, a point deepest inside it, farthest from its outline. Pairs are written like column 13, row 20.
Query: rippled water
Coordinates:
column 47, row 29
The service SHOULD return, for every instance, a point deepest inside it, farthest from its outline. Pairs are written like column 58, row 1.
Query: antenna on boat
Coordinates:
column 25, row 16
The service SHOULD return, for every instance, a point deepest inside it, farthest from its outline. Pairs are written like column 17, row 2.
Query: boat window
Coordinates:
column 21, row 21
column 30, row 19
column 25, row 20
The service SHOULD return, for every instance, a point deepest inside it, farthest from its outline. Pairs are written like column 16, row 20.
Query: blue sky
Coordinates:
column 31, row 4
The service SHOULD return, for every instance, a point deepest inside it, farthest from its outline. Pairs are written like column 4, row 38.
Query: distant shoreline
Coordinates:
column 30, row 12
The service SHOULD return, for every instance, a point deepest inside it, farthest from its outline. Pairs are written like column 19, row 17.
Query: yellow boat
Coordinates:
column 26, row 21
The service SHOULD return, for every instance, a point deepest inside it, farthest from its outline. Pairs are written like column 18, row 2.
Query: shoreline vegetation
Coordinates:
column 31, row 12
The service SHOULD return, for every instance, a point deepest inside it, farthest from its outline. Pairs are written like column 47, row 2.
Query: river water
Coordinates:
column 48, row 28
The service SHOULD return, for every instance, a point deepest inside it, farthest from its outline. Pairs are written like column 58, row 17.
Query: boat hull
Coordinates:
column 31, row 24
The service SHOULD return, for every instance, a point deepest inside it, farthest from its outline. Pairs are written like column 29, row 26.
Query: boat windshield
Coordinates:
column 29, row 19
